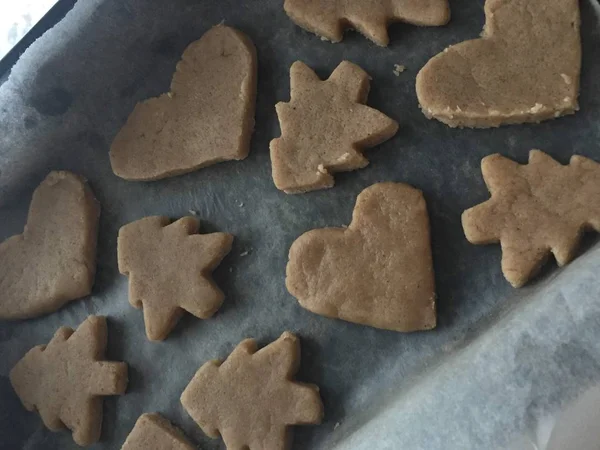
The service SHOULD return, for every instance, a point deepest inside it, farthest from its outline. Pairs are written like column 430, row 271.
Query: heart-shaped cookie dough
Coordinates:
column 54, row 260
column 206, row 118
column 376, row 272
column 525, row 68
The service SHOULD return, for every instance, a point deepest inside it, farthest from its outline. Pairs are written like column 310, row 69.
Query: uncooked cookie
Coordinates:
column 65, row 380
column 325, row 127
column 251, row 399
column 536, row 209
column 169, row 268
column 54, row 261
column 525, row 68
column 376, row 272
column 153, row 432
column 329, row 18
column 206, row 118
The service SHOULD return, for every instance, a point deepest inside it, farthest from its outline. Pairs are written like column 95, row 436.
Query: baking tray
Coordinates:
column 500, row 362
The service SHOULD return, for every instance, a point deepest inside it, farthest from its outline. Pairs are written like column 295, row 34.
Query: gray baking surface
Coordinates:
column 500, row 360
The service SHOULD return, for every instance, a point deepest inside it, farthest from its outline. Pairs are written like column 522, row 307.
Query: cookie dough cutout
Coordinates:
column 535, row 210
column 330, row 18
column 169, row 267
column 324, row 128
column 65, row 380
column 250, row 399
column 525, row 68
column 376, row 272
column 206, row 118
column 153, row 432
column 54, row 261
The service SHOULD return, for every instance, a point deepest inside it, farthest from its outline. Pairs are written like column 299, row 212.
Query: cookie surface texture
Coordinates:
column 169, row 267
column 206, row 118
column 65, row 380
column 525, row 67
column 376, row 272
column 250, row 399
column 54, row 261
column 153, row 432
column 330, row 18
column 535, row 209
column 324, row 128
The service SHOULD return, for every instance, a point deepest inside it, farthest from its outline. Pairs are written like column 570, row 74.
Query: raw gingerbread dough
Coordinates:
column 54, row 261
column 329, row 18
column 251, row 399
column 153, row 432
column 525, row 68
column 208, row 117
column 376, row 272
column 65, row 380
column 325, row 127
column 536, row 209
column 169, row 266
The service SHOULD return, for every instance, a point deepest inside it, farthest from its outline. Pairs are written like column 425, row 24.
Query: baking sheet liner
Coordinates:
column 501, row 363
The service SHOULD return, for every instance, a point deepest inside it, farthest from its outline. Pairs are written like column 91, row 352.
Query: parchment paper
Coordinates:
column 500, row 363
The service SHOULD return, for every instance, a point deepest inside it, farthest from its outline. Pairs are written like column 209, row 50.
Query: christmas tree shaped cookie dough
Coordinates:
column 54, row 261
column 376, row 272
column 250, row 398
column 153, row 432
column 535, row 209
column 65, row 380
column 206, row 118
column 524, row 68
column 324, row 128
column 329, row 18
column 169, row 268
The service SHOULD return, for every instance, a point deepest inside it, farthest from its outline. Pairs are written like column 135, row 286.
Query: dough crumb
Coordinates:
column 337, row 424
column 193, row 212
column 345, row 157
column 536, row 108
column 245, row 253
column 241, row 204
column 398, row 69
column 566, row 77
column 321, row 169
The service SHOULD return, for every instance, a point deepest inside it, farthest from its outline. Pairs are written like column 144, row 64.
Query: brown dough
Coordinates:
column 251, row 399
column 376, row 272
column 536, row 209
column 525, row 68
column 208, row 117
column 54, row 261
column 169, row 266
column 65, row 380
column 329, row 18
column 324, row 128
column 153, row 432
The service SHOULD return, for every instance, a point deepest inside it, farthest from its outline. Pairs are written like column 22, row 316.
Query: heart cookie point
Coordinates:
column 376, row 272
column 206, row 118
column 525, row 68
column 53, row 261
